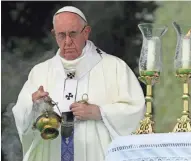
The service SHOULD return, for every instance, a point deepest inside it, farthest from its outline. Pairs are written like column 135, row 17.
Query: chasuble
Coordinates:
column 109, row 83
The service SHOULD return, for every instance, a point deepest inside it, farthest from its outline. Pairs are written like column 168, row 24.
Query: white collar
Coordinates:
column 90, row 57
column 72, row 64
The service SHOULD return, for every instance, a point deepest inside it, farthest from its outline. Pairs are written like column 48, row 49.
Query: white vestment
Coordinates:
column 109, row 83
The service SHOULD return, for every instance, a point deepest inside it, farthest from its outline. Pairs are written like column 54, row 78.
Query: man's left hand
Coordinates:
column 84, row 111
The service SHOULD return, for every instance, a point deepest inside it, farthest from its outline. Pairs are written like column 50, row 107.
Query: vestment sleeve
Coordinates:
column 122, row 117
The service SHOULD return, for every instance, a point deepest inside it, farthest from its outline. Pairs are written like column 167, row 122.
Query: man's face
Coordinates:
column 71, row 34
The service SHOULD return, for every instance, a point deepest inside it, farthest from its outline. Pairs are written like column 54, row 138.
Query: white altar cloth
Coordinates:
column 151, row 147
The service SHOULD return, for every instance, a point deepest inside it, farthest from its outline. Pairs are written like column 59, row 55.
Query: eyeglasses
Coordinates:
column 73, row 34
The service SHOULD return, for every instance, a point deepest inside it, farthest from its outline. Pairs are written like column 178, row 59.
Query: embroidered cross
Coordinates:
column 98, row 51
column 69, row 96
column 71, row 75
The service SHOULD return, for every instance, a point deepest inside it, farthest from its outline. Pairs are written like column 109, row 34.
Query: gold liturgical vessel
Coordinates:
column 49, row 121
column 182, row 63
column 150, row 68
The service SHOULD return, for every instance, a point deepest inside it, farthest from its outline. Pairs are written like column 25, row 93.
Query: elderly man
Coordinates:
column 115, row 98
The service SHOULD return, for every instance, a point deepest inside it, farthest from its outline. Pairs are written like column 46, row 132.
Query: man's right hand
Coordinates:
column 39, row 94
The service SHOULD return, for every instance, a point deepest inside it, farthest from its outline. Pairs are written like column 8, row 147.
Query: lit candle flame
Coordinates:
column 189, row 33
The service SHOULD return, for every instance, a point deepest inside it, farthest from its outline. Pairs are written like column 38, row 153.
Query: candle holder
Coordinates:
column 182, row 63
column 150, row 68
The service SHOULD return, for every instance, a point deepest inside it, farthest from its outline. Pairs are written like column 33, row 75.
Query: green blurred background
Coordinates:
column 26, row 41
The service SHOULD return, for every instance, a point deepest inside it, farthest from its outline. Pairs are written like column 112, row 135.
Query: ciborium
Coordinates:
column 47, row 121
column 150, row 68
column 182, row 64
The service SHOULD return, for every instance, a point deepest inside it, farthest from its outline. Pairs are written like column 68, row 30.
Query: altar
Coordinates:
column 151, row 147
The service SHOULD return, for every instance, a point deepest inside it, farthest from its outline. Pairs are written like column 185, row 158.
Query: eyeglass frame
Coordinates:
column 63, row 35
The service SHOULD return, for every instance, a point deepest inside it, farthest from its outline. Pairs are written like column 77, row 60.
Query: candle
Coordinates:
column 186, row 52
column 153, row 49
